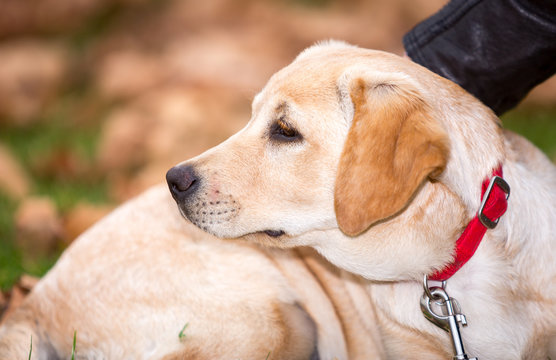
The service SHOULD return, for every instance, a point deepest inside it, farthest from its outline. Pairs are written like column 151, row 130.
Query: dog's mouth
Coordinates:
column 274, row 233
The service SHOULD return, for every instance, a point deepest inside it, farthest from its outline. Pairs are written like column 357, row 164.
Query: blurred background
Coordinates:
column 98, row 98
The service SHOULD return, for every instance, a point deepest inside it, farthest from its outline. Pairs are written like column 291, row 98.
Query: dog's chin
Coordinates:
column 274, row 238
column 269, row 236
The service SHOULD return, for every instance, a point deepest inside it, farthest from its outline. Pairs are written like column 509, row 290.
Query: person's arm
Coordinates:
column 498, row 50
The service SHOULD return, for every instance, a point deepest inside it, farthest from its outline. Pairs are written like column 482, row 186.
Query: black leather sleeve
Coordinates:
column 498, row 50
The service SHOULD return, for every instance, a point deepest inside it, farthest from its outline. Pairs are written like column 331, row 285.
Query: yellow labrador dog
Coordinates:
column 144, row 284
column 370, row 159
column 381, row 166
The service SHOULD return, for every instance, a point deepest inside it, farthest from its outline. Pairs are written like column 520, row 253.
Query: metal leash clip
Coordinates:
column 449, row 320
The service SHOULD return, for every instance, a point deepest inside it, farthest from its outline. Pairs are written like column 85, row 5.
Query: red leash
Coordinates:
column 494, row 196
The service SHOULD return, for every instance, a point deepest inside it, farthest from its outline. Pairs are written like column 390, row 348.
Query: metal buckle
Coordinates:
column 502, row 184
column 430, row 284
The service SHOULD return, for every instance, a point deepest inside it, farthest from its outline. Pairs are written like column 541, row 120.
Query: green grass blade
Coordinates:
column 73, row 346
column 31, row 347
column 182, row 332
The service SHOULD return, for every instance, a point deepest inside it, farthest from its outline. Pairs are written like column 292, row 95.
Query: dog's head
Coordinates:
column 341, row 139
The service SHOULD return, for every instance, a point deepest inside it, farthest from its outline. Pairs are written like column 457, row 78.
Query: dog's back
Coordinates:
column 142, row 284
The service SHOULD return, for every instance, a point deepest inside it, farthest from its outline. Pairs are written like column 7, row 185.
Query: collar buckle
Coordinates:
column 502, row 185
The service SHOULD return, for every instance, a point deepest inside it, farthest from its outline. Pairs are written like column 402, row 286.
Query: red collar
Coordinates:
column 494, row 196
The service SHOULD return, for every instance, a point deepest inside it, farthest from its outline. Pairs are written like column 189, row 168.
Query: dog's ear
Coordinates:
column 393, row 145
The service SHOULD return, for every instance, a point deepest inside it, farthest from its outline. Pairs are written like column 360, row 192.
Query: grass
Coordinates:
column 182, row 335
column 10, row 258
column 57, row 131
column 73, row 346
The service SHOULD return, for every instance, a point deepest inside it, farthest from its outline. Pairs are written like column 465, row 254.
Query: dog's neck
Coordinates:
column 429, row 226
column 494, row 195
column 476, row 149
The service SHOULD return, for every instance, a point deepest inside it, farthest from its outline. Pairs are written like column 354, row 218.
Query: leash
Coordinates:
column 494, row 195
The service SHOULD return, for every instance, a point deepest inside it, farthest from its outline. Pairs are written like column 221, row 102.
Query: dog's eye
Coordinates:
column 282, row 131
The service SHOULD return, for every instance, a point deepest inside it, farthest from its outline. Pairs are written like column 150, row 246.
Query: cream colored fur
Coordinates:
column 431, row 146
column 129, row 285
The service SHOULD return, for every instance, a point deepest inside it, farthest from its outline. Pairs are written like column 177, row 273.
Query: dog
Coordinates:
column 144, row 284
column 379, row 165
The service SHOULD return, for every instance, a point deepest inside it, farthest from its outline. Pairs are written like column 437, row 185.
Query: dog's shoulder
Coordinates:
column 523, row 152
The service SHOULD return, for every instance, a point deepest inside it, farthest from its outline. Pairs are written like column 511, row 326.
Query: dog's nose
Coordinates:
column 182, row 181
